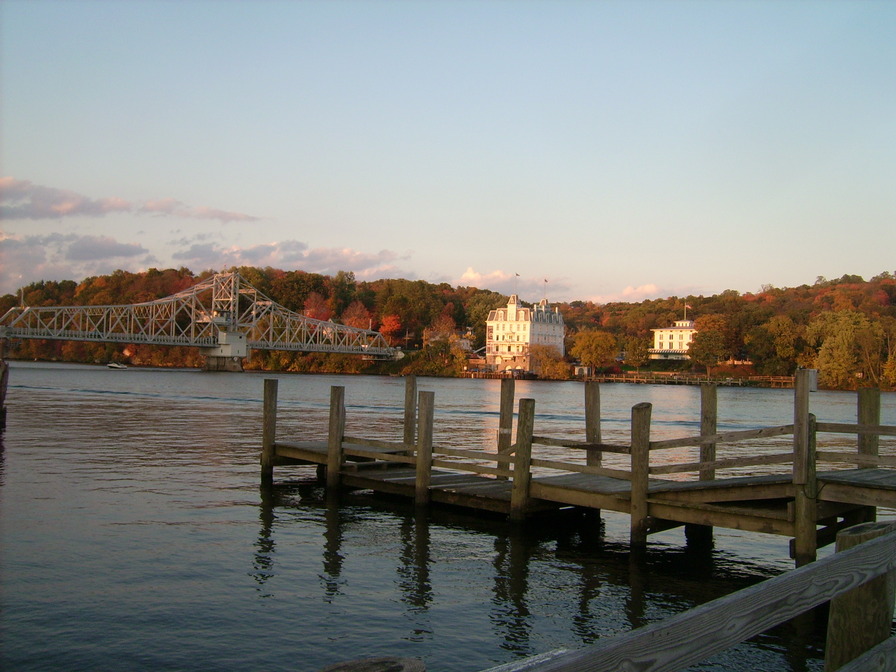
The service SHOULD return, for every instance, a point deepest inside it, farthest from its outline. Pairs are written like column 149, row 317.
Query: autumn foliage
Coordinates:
column 845, row 327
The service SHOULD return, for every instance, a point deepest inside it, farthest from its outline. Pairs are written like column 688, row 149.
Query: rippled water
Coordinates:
column 135, row 535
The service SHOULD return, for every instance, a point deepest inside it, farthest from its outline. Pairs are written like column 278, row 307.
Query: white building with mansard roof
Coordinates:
column 510, row 331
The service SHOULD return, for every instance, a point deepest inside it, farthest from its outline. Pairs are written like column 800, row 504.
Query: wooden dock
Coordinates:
column 799, row 501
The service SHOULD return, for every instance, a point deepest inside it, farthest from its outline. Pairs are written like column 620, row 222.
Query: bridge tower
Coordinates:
column 232, row 348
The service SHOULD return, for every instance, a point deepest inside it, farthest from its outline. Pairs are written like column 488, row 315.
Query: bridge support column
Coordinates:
column 217, row 363
column 229, row 353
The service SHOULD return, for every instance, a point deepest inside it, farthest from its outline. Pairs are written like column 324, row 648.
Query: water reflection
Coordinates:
column 263, row 565
column 556, row 583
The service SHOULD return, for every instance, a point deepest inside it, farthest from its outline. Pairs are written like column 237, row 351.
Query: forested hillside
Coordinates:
column 845, row 327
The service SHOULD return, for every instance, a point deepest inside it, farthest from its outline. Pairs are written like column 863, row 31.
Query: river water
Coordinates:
column 135, row 535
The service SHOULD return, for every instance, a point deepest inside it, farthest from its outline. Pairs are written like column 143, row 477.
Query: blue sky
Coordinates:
column 620, row 150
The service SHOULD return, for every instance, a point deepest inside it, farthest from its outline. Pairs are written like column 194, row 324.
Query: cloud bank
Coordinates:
column 71, row 256
column 21, row 199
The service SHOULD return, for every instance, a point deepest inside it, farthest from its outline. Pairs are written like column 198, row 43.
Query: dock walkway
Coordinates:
column 804, row 503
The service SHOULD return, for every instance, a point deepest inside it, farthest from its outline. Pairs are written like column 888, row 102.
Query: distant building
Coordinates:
column 510, row 331
column 672, row 342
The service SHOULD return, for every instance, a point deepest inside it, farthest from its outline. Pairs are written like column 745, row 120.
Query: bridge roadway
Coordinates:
column 752, row 503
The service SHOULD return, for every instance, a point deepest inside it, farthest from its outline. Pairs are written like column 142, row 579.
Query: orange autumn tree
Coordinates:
column 390, row 328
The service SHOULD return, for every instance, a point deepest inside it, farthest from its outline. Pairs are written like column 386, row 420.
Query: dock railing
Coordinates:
column 859, row 581
column 516, row 459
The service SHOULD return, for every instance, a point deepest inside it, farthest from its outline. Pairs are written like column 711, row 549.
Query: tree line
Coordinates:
column 844, row 327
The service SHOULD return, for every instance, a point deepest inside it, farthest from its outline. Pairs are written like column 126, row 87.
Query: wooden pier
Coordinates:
column 516, row 479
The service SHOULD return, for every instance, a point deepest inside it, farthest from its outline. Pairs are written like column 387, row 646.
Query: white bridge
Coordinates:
column 223, row 315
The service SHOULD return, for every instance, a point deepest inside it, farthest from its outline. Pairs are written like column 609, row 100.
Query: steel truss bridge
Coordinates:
column 224, row 315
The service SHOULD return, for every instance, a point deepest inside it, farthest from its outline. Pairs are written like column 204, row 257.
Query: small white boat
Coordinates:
column 116, row 365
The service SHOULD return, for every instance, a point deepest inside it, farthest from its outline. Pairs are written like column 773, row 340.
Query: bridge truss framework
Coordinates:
column 224, row 315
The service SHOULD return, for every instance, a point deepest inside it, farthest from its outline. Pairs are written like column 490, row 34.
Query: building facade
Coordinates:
column 510, row 331
column 672, row 342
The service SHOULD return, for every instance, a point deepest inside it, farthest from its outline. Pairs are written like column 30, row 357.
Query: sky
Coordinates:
column 571, row 150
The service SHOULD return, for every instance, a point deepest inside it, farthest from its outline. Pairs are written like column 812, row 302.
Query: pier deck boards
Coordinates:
column 871, row 487
column 757, row 503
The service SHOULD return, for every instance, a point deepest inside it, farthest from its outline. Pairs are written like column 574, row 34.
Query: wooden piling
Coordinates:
column 805, row 505
column 334, row 437
column 522, row 460
column 868, row 414
column 640, row 468
column 592, row 422
column 505, row 424
column 410, row 409
column 702, row 534
column 861, row 618
column 424, row 448
column 709, row 414
column 268, row 431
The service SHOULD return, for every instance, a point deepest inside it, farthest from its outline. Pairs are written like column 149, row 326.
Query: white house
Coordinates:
column 510, row 331
column 672, row 342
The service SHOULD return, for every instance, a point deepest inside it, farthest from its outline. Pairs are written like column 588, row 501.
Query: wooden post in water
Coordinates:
column 505, row 424
column 709, row 414
column 861, row 618
column 268, row 431
column 522, row 460
column 640, row 466
column 868, row 413
column 708, row 427
column 424, row 448
column 593, row 456
column 334, row 437
column 410, row 409
column 592, row 422
column 805, row 505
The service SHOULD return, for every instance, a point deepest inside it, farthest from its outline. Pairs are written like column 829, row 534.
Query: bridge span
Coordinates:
column 223, row 315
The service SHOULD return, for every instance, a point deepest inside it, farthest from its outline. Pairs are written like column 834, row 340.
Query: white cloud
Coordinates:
column 95, row 248
column 292, row 255
column 57, row 256
column 20, row 199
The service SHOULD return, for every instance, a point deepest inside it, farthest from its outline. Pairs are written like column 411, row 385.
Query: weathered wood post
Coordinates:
column 868, row 413
column 861, row 618
column 709, row 405
column 505, row 424
column 424, row 448
column 805, row 505
column 709, row 414
column 268, row 431
column 640, row 466
column 410, row 409
column 593, row 456
column 592, row 422
column 334, row 437
column 522, row 460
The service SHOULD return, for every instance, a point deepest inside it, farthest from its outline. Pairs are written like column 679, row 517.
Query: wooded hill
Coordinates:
column 845, row 327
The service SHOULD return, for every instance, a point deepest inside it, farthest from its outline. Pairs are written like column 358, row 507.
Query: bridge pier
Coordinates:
column 218, row 363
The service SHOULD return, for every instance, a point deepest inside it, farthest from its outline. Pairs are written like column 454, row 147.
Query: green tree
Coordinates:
column 636, row 352
column 775, row 345
column 342, row 291
column 594, row 347
column 708, row 348
column 547, row 363
column 478, row 307
column 848, row 347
